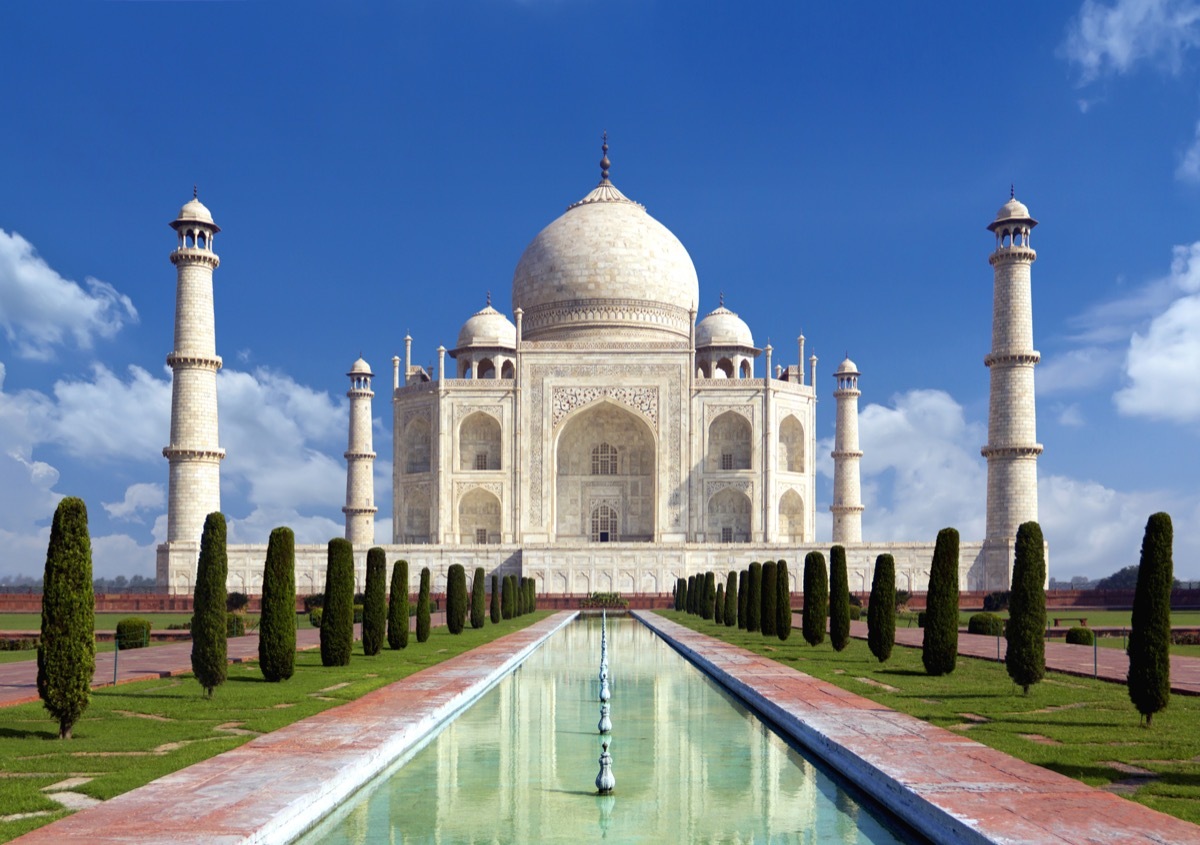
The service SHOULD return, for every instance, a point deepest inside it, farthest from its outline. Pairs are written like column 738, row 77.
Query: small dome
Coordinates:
column 723, row 328
column 360, row 368
column 847, row 368
column 488, row 328
column 194, row 211
column 1012, row 211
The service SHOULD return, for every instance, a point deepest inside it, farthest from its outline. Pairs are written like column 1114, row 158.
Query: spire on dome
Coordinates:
column 721, row 300
column 195, row 192
column 489, row 299
column 604, row 162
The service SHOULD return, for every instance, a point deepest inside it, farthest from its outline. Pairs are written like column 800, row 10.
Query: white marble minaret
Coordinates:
column 1012, row 448
column 360, row 459
column 847, row 504
column 194, row 486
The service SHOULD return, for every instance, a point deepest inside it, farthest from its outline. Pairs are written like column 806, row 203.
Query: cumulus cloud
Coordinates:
column 1106, row 39
column 109, row 418
column 256, row 526
column 1189, row 163
column 138, row 498
column 120, row 554
column 1071, row 416
column 1078, row 370
column 40, row 310
column 1163, row 366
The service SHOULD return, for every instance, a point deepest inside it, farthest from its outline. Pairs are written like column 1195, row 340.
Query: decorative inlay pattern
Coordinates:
column 423, row 412
column 461, row 488
column 711, row 412
column 616, row 311
column 563, row 400
column 461, row 412
column 744, row 485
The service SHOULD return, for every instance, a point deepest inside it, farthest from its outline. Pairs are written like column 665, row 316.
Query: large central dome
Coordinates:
column 606, row 269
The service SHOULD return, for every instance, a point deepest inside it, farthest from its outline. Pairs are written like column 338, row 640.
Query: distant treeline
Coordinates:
column 120, row 584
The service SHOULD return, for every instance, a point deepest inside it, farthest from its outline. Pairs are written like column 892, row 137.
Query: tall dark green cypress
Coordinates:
column 709, row 594
column 495, row 603
column 66, row 656
column 719, row 605
column 769, row 596
column 1026, row 630
column 939, row 651
column 731, row 600
column 477, row 598
column 680, row 593
column 532, row 595
column 881, row 611
column 456, row 598
column 277, row 624
column 1150, row 628
column 743, row 597
column 337, row 617
column 508, row 603
column 754, row 598
column 816, row 598
column 839, row 599
column 209, row 628
column 783, row 606
column 423, row 606
column 692, row 594
column 398, row 606
column 374, row 624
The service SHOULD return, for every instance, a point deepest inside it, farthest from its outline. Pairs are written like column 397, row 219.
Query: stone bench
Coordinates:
column 1082, row 620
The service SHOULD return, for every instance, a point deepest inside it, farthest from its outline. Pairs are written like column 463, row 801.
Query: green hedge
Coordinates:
column 1080, row 636
column 133, row 632
column 986, row 624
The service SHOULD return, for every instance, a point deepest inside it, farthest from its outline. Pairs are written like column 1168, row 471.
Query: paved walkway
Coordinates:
column 946, row 785
column 275, row 786
column 18, row 680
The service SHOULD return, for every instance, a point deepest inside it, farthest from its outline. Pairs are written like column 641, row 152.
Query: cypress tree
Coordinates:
column 337, row 619
column 495, row 606
column 754, row 598
column 423, row 607
column 708, row 594
column 1150, row 628
column 680, row 593
column 508, row 604
column 277, row 625
column 939, row 651
column 816, row 598
column 456, row 598
column 398, row 607
column 1026, row 631
column 374, row 626
column 66, row 656
column 719, row 605
column 839, row 599
column 532, row 595
column 743, row 595
column 769, row 596
column 783, row 625
column 209, row 628
column 477, row 595
column 881, row 611
column 731, row 599
column 691, row 594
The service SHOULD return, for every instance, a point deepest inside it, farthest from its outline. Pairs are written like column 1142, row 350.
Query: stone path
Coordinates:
column 944, row 784
column 274, row 787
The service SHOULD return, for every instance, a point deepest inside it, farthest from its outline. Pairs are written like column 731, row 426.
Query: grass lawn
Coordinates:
column 1075, row 726
column 134, row 733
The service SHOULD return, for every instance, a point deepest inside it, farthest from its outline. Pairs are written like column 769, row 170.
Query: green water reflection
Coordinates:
column 691, row 764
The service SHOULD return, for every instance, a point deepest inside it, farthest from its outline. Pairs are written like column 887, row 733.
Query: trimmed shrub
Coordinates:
column 816, row 598
column 210, row 630
column 398, row 607
column 743, row 596
column 1026, row 632
column 374, row 615
column 939, row 651
column 855, row 613
column 680, row 593
column 277, row 625
column 881, row 611
column 709, row 596
column 839, row 599
column 754, row 598
column 783, row 604
column 730, row 614
column 532, row 595
column 314, row 600
column 920, row 619
column 236, row 601
column 986, row 624
column 477, row 598
column 1079, row 635
column 719, row 605
column 423, row 607
column 132, row 632
column 691, row 594
column 997, row 600
column 902, row 599
column 66, row 657
column 337, row 624
column 508, row 603
column 768, row 619
column 1150, row 628
column 314, row 617
column 456, row 598
column 235, row 625
column 495, row 603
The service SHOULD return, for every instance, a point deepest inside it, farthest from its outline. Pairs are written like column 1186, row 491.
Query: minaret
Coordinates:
column 1012, row 446
column 360, row 459
column 194, row 486
column 847, row 504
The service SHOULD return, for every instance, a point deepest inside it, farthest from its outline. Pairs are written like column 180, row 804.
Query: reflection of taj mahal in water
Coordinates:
column 605, row 439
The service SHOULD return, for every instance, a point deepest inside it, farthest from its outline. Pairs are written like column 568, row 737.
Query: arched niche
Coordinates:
column 791, row 445
column 727, row 517
column 479, row 517
column 416, row 446
column 729, row 442
column 479, row 442
column 791, row 517
column 416, row 516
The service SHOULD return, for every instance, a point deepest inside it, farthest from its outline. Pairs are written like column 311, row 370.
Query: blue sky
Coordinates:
column 376, row 168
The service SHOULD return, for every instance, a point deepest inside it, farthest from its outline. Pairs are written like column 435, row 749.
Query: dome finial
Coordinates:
column 604, row 162
column 1012, row 191
column 721, row 300
column 195, row 192
column 489, row 299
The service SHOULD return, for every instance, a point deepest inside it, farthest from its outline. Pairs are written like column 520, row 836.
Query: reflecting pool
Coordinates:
column 691, row 763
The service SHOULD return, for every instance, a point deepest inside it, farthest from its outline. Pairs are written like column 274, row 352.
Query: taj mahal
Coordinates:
column 607, row 437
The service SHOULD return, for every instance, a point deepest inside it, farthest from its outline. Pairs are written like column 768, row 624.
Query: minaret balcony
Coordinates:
column 191, row 255
column 1020, row 359
column 1030, row 451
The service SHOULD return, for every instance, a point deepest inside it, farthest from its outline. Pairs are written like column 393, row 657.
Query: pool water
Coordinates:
column 691, row 763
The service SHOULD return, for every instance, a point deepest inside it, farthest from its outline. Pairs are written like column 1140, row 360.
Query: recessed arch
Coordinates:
column 479, row 517
column 729, row 442
column 416, row 445
column 479, row 442
column 728, row 516
column 791, row 517
column 416, row 516
column 791, row 445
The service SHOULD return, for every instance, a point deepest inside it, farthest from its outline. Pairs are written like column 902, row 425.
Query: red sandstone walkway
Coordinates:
column 949, row 787
column 275, row 786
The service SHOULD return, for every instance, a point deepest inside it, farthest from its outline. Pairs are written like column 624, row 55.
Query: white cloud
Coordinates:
column 138, row 497
column 256, row 527
column 1077, row 370
column 1163, row 366
column 39, row 309
column 1113, row 39
column 120, row 554
column 1071, row 416
column 1189, row 163
column 106, row 418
